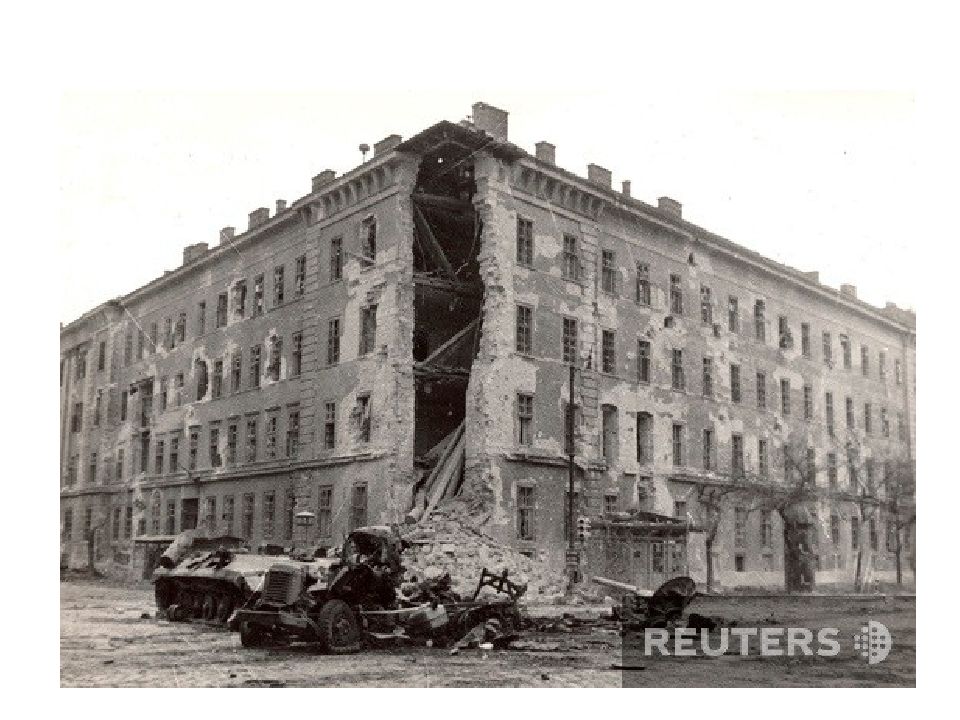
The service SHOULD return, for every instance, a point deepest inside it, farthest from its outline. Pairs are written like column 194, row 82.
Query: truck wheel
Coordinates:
column 339, row 629
column 251, row 636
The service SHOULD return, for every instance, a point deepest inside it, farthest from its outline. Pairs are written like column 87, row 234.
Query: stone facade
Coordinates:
column 493, row 272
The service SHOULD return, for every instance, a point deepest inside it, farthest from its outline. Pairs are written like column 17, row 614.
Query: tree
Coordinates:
column 710, row 498
column 91, row 539
column 900, row 487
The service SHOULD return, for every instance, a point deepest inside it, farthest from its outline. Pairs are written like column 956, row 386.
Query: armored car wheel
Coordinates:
column 339, row 628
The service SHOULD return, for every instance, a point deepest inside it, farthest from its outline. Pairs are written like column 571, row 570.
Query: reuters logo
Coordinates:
column 873, row 642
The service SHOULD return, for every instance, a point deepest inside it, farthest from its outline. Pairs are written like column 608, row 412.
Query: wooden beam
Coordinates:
column 442, row 201
column 452, row 341
column 453, row 286
column 430, row 243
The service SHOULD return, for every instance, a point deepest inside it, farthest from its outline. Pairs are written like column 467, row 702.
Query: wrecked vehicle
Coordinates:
column 207, row 578
column 642, row 609
column 355, row 600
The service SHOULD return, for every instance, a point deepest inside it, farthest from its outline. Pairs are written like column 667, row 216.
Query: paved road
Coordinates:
column 105, row 642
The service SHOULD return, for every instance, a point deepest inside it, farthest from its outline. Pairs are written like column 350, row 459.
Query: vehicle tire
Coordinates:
column 252, row 636
column 339, row 628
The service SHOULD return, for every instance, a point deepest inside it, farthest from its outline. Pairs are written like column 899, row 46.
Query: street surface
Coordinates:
column 104, row 642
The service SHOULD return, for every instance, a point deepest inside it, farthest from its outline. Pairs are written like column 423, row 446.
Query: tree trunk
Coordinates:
column 899, row 549
column 91, row 545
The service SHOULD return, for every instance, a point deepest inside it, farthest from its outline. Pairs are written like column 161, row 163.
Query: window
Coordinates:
column 325, row 511
column 330, row 426
column 526, row 509
column 128, row 522
column 570, row 340
column 210, row 514
column 258, row 284
column 141, row 343
column 246, row 516
column 72, row 470
column 171, row 525
column 300, row 276
column 643, row 284
column 708, row 377
column 293, row 431
column 524, row 329
column 897, row 371
column 610, row 431
column 119, row 464
column 677, row 438
column 215, row 459
column 676, row 370
column 194, row 448
column 368, row 242
column 874, row 539
column 680, row 509
column 158, row 456
column 232, row 432
column 202, row 379
column 236, row 371
column 735, row 391
column 867, row 418
column 808, row 402
column 76, row 419
column 869, row 471
column 182, row 327
column 759, row 321
column 609, row 352
column 832, row 470
column 525, row 242
column 92, row 473
column 525, row 419
column 178, row 389
column 358, row 506
column 127, row 348
column 102, row 356
column 785, row 396
column 852, row 476
column 739, row 527
column 217, row 379
column 766, row 529
column 174, row 454
column 851, row 422
column 865, row 360
column 901, row 428
column 761, row 390
column 274, row 358
column 855, row 533
column 228, row 511
column 362, row 418
column 708, row 463
column 97, row 405
column 785, row 337
column 736, row 455
column 706, row 306
column 835, row 530
column 251, row 455
column 676, row 295
column 882, row 365
column 643, row 361
column 644, row 438
column 201, row 318
column 333, row 341
column 608, row 272
column 763, row 467
column 368, row 329
column 296, row 357
column 255, row 366
column 845, row 349
column 571, row 258
column 67, row 524
column 805, row 339
column 733, row 314
column 611, row 503
column 271, row 434
column 153, row 337
column 221, row 320
column 278, row 286
column 828, row 404
column 827, row 349
column 269, row 513
column 336, row 259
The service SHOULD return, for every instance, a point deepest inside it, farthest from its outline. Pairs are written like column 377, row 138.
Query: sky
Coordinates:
column 817, row 180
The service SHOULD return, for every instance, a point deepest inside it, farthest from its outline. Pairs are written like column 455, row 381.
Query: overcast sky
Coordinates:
column 819, row 181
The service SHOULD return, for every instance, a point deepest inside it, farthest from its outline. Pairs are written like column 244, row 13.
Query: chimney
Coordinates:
column 386, row 145
column 258, row 217
column 324, row 178
column 599, row 175
column 192, row 252
column 281, row 206
column 813, row 275
column 848, row 290
column 670, row 206
column 547, row 152
column 626, row 187
column 892, row 306
column 490, row 120
column 227, row 233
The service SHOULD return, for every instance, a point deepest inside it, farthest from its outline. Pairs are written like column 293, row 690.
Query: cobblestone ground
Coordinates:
column 105, row 642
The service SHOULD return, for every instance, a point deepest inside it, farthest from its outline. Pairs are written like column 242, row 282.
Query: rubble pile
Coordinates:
column 448, row 542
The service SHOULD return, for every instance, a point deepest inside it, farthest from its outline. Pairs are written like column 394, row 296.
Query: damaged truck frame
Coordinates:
column 343, row 605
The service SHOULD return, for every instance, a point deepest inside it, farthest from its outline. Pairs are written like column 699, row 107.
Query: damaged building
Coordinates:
column 403, row 334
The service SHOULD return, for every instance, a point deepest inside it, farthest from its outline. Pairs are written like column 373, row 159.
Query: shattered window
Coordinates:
column 571, row 258
column 278, row 286
column 217, row 378
column 526, row 509
column 644, row 438
column 300, row 276
column 194, row 449
column 330, row 426
column 202, row 379
column 358, row 506
column 336, row 259
column 182, row 327
column 643, row 284
column 525, row 242
column 783, row 332
column 240, row 298
column 706, row 305
column 232, row 442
